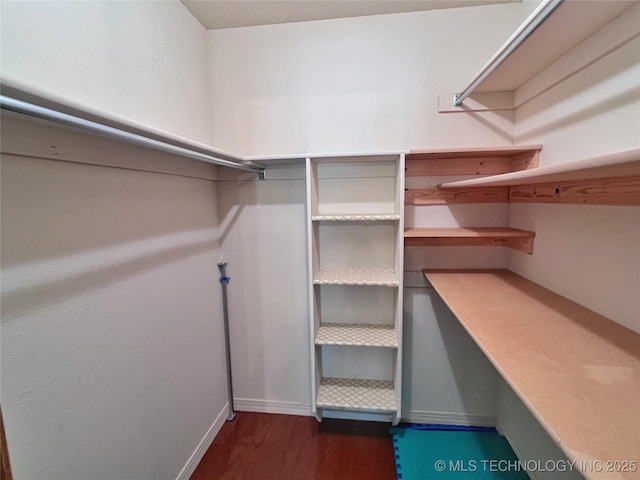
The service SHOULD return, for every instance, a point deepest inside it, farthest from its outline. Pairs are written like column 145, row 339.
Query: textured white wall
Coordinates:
column 263, row 235
column 358, row 84
column 146, row 61
column 590, row 254
column 112, row 350
column 446, row 378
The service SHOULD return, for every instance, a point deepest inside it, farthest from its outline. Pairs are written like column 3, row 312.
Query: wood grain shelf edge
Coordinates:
column 520, row 240
column 562, row 349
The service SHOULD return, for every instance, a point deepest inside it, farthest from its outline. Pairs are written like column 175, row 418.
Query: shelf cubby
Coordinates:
column 472, row 161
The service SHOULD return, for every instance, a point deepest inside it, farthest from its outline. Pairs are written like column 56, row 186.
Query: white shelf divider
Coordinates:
column 357, row 394
column 373, row 217
column 357, row 335
column 346, row 276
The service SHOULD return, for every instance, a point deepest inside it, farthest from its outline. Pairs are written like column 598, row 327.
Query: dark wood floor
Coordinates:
column 259, row 446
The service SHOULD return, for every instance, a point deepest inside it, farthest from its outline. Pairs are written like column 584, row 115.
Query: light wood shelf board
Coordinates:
column 437, row 196
column 356, row 394
column 357, row 335
column 621, row 164
column 336, row 276
column 605, row 191
column 471, row 161
column 577, row 371
column 463, row 237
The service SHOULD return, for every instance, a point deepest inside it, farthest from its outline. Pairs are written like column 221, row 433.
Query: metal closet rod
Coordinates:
column 36, row 111
column 540, row 14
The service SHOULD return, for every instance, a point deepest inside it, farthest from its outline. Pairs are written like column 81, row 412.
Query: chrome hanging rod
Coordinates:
column 540, row 14
column 36, row 111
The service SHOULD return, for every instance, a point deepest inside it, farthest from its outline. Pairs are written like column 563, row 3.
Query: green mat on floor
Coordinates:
column 430, row 453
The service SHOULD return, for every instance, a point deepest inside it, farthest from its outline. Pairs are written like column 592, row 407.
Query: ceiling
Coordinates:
column 217, row 14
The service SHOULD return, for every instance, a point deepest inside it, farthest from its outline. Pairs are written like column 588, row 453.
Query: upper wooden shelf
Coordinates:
column 463, row 237
column 577, row 371
column 622, row 164
column 471, row 161
column 559, row 34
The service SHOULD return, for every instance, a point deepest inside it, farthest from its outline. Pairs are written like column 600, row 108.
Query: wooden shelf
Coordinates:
column 471, row 161
column 605, row 180
column 623, row 164
column 354, row 394
column 336, row 276
column 438, row 196
column 554, row 51
column 462, row 237
column 357, row 335
column 577, row 371
column 373, row 217
column 559, row 34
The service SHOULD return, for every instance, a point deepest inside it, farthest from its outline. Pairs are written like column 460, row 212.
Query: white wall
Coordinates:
column 263, row 235
column 112, row 348
column 359, row 84
column 590, row 254
column 112, row 351
column 446, row 378
column 146, row 61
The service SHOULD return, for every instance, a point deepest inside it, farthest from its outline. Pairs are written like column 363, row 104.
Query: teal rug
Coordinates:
column 432, row 452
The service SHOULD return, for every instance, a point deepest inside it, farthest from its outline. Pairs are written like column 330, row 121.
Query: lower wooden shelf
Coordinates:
column 356, row 394
column 521, row 240
column 578, row 372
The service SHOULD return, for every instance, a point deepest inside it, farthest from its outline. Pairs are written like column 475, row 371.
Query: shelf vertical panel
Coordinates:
column 399, row 268
column 313, row 265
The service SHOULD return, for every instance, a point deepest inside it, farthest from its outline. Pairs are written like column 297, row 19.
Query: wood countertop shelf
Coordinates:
column 521, row 240
column 577, row 371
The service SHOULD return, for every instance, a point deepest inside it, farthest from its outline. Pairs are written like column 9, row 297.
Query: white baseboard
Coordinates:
column 272, row 406
column 502, row 430
column 448, row 418
column 204, row 445
column 411, row 416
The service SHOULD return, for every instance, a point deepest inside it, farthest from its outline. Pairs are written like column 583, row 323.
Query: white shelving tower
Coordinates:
column 355, row 232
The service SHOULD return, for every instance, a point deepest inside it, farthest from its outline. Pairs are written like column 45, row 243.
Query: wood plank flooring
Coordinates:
column 259, row 446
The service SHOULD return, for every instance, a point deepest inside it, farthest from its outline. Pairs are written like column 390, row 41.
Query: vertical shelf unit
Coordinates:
column 355, row 227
